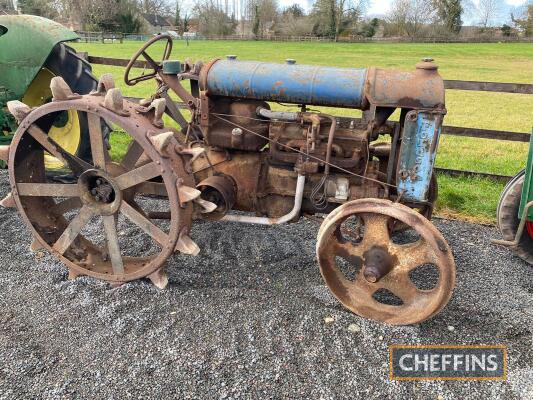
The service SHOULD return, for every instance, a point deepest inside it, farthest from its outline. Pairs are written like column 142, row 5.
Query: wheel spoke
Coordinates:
column 348, row 250
column 150, row 60
column 48, row 189
column 145, row 224
column 412, row 255
column 153, row 188
column 113, row 247
column 362, row 288
column 98, row 146
column 399, row 283
column 76, row 164
column 376, row 230
column 138, row 175
column 73, row 230
column 41, row 137
column 133, row 154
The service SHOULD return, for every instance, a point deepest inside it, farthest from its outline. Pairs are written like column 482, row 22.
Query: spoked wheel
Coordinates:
column 99, row 224
column 379, row 275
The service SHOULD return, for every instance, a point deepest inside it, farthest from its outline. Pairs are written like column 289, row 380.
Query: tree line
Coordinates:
column 262, row 18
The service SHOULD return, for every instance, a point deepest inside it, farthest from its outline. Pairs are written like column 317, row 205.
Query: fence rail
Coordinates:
column 483, row 38
column 520, row 88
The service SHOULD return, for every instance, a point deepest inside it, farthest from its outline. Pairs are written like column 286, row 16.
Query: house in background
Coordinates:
column 157, row 23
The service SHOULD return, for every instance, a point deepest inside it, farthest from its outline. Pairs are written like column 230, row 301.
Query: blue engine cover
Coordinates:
column 288, row 83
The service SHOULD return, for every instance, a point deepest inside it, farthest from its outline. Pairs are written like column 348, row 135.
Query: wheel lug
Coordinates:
column 93, row 192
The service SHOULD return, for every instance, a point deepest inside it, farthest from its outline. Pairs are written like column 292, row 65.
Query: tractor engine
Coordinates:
column 254, row 154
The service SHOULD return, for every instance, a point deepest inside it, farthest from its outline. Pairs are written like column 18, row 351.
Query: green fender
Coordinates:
column 527, row 188
column 26, row 42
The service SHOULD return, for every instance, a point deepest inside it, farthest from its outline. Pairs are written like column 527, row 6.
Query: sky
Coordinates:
column 381, row 7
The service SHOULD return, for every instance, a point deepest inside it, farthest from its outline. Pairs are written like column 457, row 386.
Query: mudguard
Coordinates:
column 527, row 189
column 26, row 42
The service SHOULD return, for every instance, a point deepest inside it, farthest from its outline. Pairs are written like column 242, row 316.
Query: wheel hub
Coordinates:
column 378, row 263
column 99, row 191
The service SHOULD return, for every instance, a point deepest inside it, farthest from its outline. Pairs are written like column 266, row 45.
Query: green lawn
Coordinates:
column 497, row 62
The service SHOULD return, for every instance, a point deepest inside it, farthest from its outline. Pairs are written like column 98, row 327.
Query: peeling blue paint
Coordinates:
column 289, row 83
column 417, row 154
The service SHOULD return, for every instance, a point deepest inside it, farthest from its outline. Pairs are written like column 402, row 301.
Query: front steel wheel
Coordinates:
column 396, row 277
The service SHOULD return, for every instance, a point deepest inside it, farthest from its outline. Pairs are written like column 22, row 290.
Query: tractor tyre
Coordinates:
column 71, row 132
column 508, row 219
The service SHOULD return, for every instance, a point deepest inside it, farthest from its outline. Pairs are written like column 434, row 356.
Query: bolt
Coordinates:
column 427, row 59
column 93, row 192
column 231, row 57
column 290, row 61
column 98, row 182
column 97, row 198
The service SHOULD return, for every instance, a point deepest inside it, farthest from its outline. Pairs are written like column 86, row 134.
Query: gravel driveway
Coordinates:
column 245, row 319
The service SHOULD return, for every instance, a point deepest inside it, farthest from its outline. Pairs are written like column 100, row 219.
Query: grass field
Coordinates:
column 498, row 62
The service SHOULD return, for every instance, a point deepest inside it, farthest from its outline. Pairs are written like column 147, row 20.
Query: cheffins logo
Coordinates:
column 448, row 362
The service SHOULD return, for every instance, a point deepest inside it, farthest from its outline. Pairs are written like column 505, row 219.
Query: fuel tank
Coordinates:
column 358, row 88
column 287, row 83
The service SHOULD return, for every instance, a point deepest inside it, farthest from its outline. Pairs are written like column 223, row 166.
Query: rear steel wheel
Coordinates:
column 373, row 275
column 508, row 218
column 99, row 225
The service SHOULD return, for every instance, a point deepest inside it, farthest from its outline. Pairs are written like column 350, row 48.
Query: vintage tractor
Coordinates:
column 515, row 212
column 373, row 178
column 33, row 52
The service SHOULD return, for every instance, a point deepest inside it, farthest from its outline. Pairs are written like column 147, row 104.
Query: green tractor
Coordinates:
column 515, row 212
column 33, row 52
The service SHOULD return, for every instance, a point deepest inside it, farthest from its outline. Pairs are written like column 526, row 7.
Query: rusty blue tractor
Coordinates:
column 257, row 140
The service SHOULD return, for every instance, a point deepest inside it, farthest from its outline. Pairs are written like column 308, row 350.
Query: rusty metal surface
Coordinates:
column 423, row 88
column 35, row 195
column 356, row 292
column 220, row 190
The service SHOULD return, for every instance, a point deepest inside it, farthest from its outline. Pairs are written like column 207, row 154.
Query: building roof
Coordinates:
column 157, row 20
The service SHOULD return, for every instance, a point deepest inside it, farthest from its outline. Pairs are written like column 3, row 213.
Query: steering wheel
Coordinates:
column 149, row 60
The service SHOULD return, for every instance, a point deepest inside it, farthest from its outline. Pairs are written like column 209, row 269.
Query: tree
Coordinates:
column 449, row 13
column 488, row 11
column 156, row 7
column 506, row 30
column 370, row 28
column 263, row 15
column 257, row 23
column 408, row 17
column 212, row 20
column 294, row 22
column 524, row 22
column 333, row 17
column 7, row 6
column 43, row 8
column 295, row 11
column 181, row 22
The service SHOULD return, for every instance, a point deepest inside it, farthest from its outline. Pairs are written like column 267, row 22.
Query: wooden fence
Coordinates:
column 107, row 37
column 520, row 88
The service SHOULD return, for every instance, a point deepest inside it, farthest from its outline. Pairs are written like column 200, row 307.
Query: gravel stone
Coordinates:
column 244, row 319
